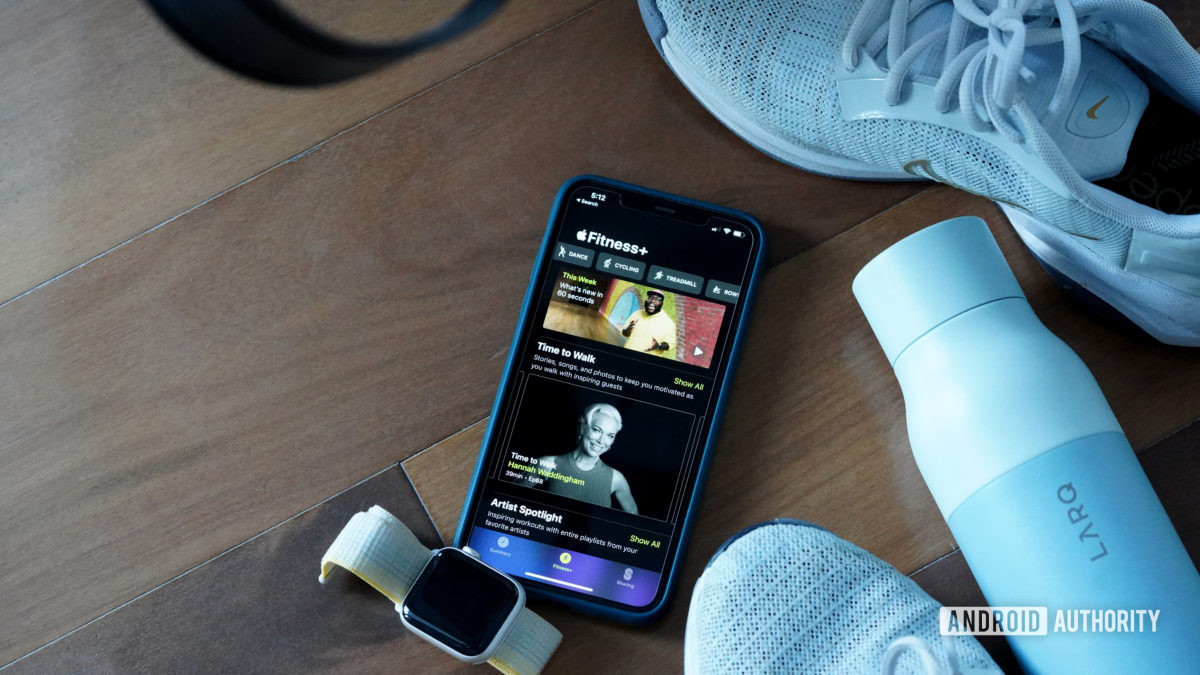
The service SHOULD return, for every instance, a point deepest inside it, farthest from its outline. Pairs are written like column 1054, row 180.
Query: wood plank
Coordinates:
column 258, row 608
column 1185, row 15
column 332, row 316
column 111, row 125
column 1174, row 472
column 432, row 473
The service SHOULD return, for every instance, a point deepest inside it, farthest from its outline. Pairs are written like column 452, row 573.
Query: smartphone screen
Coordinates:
column 592, row 458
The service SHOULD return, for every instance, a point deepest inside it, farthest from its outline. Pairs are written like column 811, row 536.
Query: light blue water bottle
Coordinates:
column 1027, row 463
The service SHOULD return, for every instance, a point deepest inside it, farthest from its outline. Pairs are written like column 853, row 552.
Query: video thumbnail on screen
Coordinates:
column 640, row 318
column 597, row 448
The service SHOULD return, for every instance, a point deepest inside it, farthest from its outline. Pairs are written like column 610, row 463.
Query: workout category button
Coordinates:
column 719, row 290
column 622, row 267
column 680, row 281
column 576, row 255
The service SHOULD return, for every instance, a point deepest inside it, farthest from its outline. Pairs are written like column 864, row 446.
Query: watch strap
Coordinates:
column 377, row 548
column 528, row 647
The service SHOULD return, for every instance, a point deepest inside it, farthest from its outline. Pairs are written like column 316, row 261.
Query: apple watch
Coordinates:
column 448, row 597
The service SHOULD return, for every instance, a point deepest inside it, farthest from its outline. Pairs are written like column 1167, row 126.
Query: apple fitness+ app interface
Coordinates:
column 589, row 473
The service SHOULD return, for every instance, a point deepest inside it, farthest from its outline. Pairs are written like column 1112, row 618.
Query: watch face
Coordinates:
column 460, row 602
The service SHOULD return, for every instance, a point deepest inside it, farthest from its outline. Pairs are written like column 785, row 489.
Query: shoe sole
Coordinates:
column 1053, row 247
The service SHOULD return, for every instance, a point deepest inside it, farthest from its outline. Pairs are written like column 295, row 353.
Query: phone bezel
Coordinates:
column 652, row 612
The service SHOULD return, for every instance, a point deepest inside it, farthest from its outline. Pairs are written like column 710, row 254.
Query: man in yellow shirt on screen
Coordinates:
column 650, row 329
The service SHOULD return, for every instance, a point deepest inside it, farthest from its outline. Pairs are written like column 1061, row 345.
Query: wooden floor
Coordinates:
column 227, row 311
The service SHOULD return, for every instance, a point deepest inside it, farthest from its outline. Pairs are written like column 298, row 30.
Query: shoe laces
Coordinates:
column 929, row 660
column 987, row 72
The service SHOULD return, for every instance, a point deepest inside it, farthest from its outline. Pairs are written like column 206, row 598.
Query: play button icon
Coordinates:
column 697, row 352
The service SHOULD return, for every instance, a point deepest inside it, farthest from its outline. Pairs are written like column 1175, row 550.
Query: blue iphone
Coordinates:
column 599, row 441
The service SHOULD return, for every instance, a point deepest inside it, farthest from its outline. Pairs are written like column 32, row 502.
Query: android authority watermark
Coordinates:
column 1036, row 621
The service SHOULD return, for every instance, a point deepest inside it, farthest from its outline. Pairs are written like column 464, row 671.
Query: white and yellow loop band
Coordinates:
column 376, row 547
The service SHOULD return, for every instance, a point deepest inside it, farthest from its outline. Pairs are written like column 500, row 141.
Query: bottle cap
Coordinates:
column 929, row 278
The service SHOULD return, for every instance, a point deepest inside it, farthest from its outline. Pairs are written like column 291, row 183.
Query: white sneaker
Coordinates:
column 1037, row 105
column 788, row 596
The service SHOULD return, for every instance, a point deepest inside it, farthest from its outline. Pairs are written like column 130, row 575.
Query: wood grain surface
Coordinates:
column 111, row 125
column 437, row 472
column 334, row 315
column 339, row 292
column 259, row 608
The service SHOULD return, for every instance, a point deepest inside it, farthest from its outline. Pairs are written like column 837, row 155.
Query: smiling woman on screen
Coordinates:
column 581, row 474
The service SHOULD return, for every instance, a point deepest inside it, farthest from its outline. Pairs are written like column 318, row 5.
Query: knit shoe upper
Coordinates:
column 787, row 596
column 1041, row 106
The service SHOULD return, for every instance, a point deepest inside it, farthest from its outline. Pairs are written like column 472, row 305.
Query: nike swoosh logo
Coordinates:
column 923, row 164
column 1091, row 112
column 930, row 174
